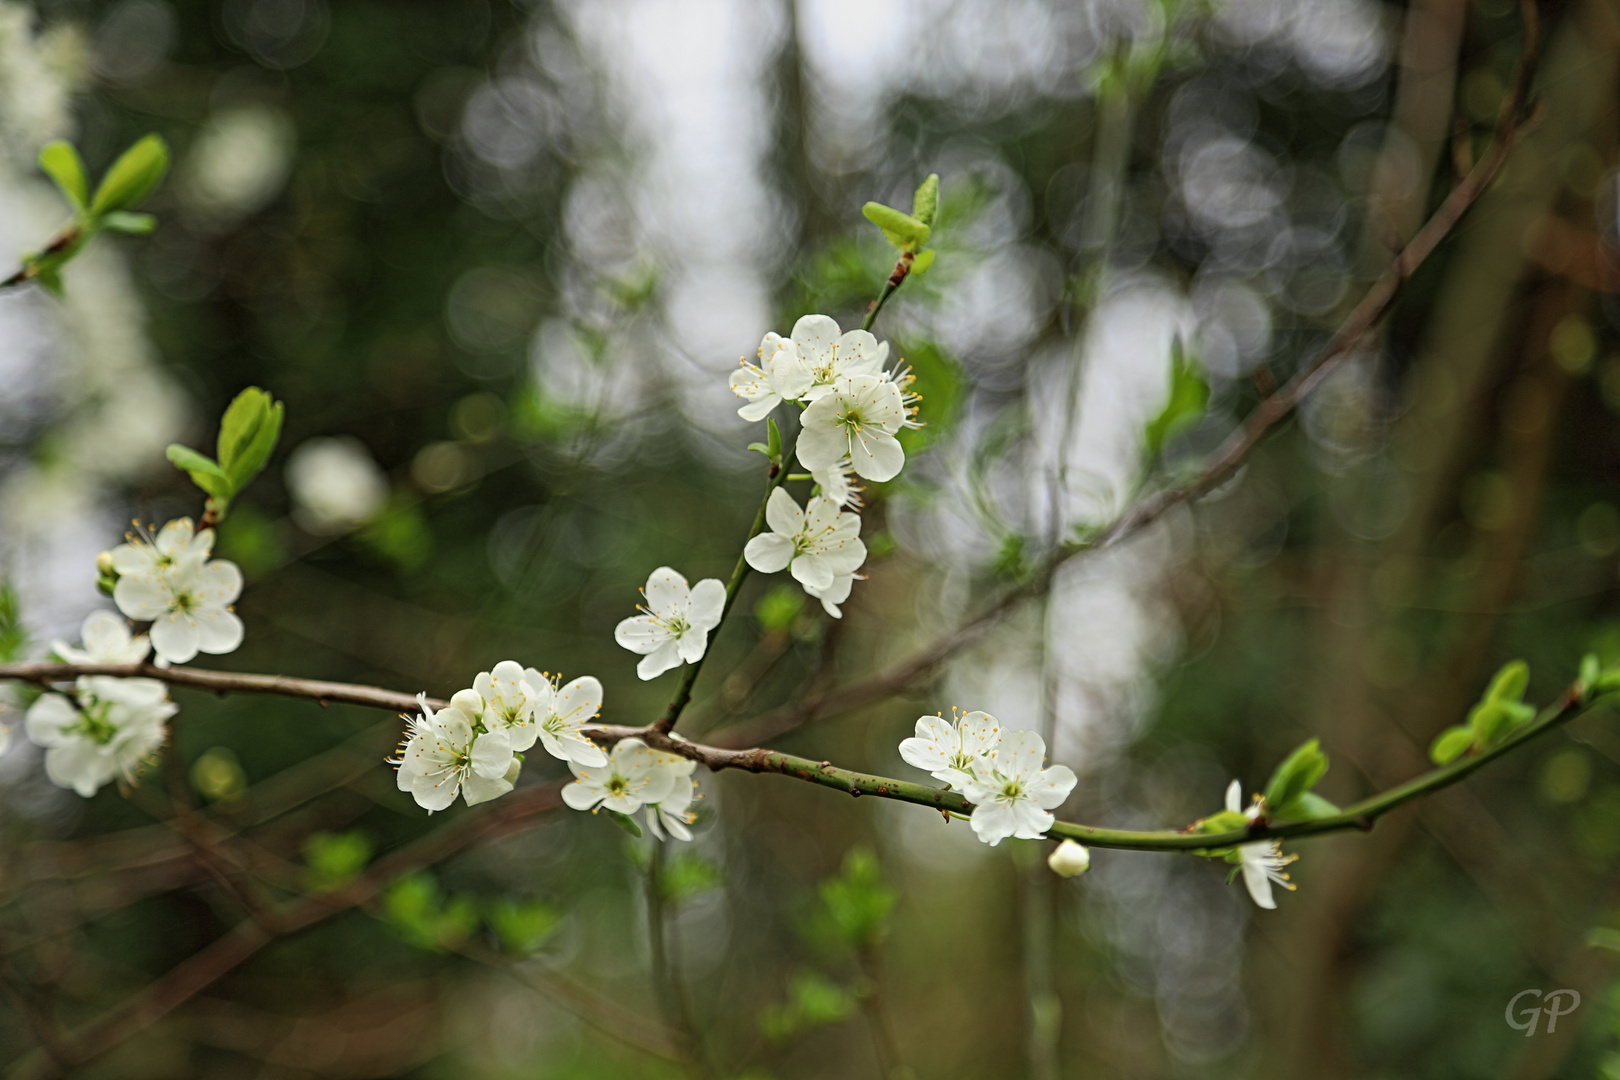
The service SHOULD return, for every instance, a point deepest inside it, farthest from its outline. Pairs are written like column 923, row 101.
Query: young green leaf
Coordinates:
column 248, row 433
column 1451, row 744
column 62, row 164
column 902, row 230
column 1297, row 774
column 1307, row 807
column 774, row 445
column 132, row 177
column 922, row 262
column 625, row 822
column 926, row 202
column 523, row 928
column 123, row 221
column 334, row 859
column 1510, row 683
column 1189, row 394
column 204, row 472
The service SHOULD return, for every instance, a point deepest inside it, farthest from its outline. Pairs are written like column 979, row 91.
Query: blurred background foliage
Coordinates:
column 497, row 258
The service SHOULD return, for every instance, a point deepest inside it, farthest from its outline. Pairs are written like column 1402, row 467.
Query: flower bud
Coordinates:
column 1069, row 859
column 104, row 564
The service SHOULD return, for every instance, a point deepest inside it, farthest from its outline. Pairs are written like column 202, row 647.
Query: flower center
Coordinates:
column 617, row 785
column 94, row 725
column 184, row 602
column 1011, row 789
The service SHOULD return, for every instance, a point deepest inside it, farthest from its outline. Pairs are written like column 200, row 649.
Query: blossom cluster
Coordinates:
column 1000, row 772
column 105, row 728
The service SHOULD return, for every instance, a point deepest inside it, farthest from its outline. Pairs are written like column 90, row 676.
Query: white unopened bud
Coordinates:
column 104, row 564
column 1069, row 859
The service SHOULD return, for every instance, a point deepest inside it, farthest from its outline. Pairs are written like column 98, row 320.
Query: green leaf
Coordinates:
column 247, row 434
column 1451, row 744
column 523, row 928
column 855, row 905
column 902, row 230
column 1189, row 394
column 1603, row 937
column 779, row 608
column 49, row 276
column 926, row 201
column 334, row 859
column 132, row 177
column 122, row 221
column 922, row 262
column 1510, row 683
column 13, row 636
column 687, row 876
column 1591, row 671
column 204, row 472
column 1011, row 562
column 62, row 164
column 1307, row 807
column 774, row 440
column 1297, row 774
column 625, row 822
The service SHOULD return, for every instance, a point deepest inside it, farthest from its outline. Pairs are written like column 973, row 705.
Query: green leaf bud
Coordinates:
column 62, row 164
column 926, row 202
column 132, row 177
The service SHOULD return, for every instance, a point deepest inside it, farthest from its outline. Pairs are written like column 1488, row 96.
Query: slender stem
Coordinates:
column 689, row 674
column 897, row 278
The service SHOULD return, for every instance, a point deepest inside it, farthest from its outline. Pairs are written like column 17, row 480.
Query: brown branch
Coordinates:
column 44, row 673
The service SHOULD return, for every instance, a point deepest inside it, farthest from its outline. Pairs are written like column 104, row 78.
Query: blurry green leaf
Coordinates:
column 251, row 540
column 133, row 176
column 926, row 202
column 940, row 386
column 217, row 774
column 855, row 905
column 813, row 1001
column 779, row 608
column 1189, row 394
column 202, row 470
column 1451, row 744
column 1297, row 774
column 774, row 443
column 1591, row 670
column 1223, row 821
column 922, row 262
column 902, row 230
column 334, row 859
column 13, row 638
column 624, row 821
column 49, row 277
column 1010, row 561
column 400, row 535
column 62, row 164
column 123, row 221
column 1603, row 937
column 687, row 876
column 1306, row 807
column 1510, row 683
column 247, row 434
column 523, row 928
column 416, row 909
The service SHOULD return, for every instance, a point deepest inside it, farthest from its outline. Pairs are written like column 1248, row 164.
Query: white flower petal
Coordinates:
column 768, row 552
column 667, row 655
column 668, row 596
column 640, row 634
column 782, row 513
column 708, row 602
column 175, row 636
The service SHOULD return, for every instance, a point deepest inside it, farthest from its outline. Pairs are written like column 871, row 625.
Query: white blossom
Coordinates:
column 829, row 355
column 836, row 593
column 445, row 755
column 507, row 701
column 953, row 753
column 106, row 640
column 675, row 622
column 816, row 544
column 561, row 712
column 1069, row 859
column 835, row 482
column 171, row 582
column 1262, row 862
column 1012, row 795
column 112, row 728
column 857, row 419
column 632, row 778
column 781, row 375
column 672, row 813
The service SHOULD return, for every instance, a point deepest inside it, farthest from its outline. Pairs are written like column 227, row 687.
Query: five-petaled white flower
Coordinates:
column 829, row 355
column 953, row 753
column 560, row 712
column 857, row 419
column 1012, row 795
column 1262, row 862
column 114, row 726
column 632, row 778
column 675, row 624
column 171, row 582
column 507, row 701
column 673, row 811
column 445, row 755
column 816, row 544
column 781, row 375
column 106, row 639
